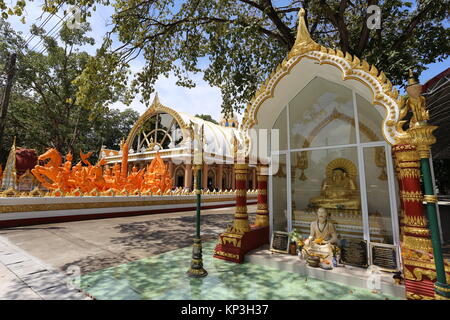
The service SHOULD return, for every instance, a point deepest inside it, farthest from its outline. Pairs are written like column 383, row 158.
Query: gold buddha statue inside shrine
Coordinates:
column 339, row 189
column 322, row 238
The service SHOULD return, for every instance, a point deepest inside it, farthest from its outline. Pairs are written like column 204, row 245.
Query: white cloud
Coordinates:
column 203, row 99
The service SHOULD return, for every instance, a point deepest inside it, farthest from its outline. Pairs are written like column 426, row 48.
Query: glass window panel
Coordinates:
column 322, row 114
column 281, row 125
column 370, row 120
column 279, row 207
column 327, row 178
column 377, row 188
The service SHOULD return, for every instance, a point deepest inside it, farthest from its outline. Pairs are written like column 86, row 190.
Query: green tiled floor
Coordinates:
column 164, row 277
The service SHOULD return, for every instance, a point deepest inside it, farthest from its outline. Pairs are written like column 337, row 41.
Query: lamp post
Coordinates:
column 421, row 134
column 196, row 270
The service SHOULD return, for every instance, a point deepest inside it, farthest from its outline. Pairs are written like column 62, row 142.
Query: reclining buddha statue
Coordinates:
column 339, row 188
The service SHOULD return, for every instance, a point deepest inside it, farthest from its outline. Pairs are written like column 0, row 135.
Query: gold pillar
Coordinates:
column 170, row 167
column 262, row 212
column 188, row 176
column 233, row 178
column 220, row 176
column 241, row 223
column 205, row 176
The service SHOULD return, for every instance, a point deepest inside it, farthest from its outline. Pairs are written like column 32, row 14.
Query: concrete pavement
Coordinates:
column 34, row 260
column 23, row 277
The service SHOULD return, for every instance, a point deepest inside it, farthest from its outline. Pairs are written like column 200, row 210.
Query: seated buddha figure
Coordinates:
column 338, row 191
column 322, row 237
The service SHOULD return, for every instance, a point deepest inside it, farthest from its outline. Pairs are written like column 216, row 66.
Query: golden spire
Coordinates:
column 411, row 80
column 13, row 147
column 303, row 41
column 155, row 101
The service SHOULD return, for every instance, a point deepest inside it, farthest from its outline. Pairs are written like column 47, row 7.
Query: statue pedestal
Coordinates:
column 234, row 245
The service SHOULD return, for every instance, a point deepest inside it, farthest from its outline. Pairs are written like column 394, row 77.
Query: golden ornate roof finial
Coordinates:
column 234, row 142
column 411, row 79
column 155, row 101
column 13, row 147
column 303, row 41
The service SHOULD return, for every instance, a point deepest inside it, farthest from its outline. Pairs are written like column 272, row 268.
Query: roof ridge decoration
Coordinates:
column 303, row 40
column 352, row 67
column 154, row 108
column 155, row 100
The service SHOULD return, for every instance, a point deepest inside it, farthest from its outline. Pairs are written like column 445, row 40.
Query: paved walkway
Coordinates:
column 34, row 259
column 23, row 277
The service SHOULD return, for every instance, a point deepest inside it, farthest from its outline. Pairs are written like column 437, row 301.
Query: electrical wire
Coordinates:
column 43, row 24
column 50, row 33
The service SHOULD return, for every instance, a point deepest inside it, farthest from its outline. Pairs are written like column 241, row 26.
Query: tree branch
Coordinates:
column 284, row 30
column 365, row 32
column 338, row 21
column 408, row 32
column 205, row 20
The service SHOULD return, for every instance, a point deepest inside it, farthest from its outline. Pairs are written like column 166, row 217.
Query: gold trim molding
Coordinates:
column 415, row 296
column 96, row 205
column 352, row 67
column 411, row 196
column 430, row 198
column 409, row 173
column 226, row 254
column 155, row 108
column 418, row 221
column 417, row 243
column 415, row 230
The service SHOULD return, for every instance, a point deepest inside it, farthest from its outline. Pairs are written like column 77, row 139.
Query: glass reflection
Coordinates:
column 279, row 184
column 377, row 189
column 321, row 108
column 329, row 179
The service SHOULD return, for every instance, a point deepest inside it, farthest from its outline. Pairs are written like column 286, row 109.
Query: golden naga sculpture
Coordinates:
column 416, row 102
column 88, row 178
column 339, row 189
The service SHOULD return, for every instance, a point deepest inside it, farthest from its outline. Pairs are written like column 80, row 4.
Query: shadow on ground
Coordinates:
column 147, row 238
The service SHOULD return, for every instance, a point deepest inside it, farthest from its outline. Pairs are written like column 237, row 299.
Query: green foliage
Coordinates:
column 237, row 43
column 296, row 237
column 206, row 117
column 44, row 110
column 242, row 41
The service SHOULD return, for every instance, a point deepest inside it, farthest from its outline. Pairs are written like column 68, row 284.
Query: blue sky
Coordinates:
column 201, row 99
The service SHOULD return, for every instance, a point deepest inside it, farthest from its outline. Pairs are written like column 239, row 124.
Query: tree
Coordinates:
column 44, row 109
column 206, row 117
column 244, row 40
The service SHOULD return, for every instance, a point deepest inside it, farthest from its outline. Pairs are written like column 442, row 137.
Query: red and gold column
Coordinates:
column 262, row 212
column 417, row 252
column 400, row 186
column 239, row 239
column 241, row 217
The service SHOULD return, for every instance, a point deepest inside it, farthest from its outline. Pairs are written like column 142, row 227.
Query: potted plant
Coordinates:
column 336, row 253
column 295, row 239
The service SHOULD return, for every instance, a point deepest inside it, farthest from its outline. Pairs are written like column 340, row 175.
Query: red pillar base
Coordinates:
column 233, row 246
